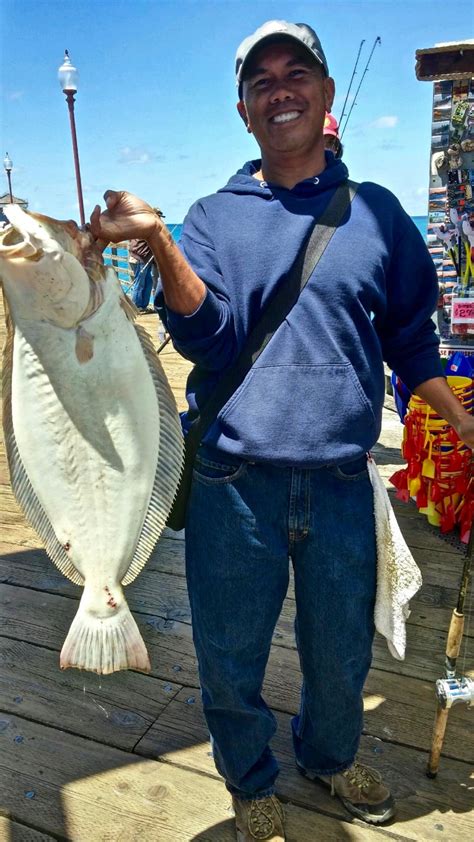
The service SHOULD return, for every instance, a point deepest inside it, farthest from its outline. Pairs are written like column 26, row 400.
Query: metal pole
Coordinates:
column 8, row 172
column 70, row 104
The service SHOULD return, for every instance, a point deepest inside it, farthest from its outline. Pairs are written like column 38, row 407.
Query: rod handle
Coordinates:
column 455, row 633
column 439, row 728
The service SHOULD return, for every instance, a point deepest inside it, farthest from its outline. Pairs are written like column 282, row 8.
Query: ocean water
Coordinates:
column 175, row 228
column 421, row 223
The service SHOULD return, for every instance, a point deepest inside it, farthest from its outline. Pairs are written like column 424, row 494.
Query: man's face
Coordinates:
column 285, row 98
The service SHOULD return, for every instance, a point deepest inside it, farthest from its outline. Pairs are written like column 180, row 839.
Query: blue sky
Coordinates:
column 155, row 110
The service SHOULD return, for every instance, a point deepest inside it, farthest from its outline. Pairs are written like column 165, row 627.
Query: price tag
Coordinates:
column 462, row 311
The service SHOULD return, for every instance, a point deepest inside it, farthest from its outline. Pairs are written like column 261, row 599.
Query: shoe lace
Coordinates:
column 362, row 776
column 260, row 818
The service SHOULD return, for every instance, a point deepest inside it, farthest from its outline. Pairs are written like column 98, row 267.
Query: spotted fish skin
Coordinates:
column 92, row 432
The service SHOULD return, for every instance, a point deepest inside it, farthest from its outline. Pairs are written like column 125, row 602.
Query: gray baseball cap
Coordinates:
column 273, row 30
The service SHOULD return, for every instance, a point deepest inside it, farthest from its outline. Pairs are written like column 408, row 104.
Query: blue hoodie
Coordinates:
column 314, row 397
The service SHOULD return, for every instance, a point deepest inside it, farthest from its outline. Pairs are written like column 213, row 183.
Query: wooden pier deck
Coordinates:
column 126, row 757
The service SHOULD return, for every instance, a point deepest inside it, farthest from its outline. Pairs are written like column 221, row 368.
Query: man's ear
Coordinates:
column 243, row 113
column 329, row 92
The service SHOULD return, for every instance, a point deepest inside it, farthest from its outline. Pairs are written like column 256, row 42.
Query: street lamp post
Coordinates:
column 68, row 75
column 8, row 165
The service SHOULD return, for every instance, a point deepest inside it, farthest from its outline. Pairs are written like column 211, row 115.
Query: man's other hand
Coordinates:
column 465, row 430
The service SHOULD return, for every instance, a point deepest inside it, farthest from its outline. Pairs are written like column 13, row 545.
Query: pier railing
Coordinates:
column 118, row 257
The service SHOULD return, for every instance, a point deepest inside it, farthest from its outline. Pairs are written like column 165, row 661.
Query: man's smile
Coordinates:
column 285, row 117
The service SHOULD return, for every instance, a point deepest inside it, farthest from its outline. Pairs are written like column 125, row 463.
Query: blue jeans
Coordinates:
column 244, row 522
column 141, row 289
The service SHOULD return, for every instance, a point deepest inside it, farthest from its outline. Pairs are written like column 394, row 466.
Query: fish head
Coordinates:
column 50, row 269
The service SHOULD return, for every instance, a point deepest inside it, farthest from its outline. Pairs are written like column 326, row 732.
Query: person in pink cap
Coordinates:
column 332, row 140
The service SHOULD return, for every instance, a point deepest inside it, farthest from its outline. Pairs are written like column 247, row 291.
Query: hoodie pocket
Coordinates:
column 293, row 414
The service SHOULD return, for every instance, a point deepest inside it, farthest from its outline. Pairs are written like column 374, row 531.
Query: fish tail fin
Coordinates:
column 104, row 637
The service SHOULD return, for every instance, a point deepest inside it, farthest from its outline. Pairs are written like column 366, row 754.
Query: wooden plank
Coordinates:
column 167, row 557
column 169, row 604
column 446, row 802
column 425, row 655
column 165, row 594
column 441, row 569
column 82, row 791
column 117, row 711
column 11, row 831
column 396, row 710
column 425, row 649
column 19, row 533
column 406, row 717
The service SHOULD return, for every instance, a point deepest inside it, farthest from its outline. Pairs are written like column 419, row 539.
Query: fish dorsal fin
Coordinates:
column 21, row 485
column 128, row 307
column 169, row 464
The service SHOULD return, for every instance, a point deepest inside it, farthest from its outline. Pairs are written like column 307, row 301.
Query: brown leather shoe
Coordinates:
column 361, row 790
column 261, row 819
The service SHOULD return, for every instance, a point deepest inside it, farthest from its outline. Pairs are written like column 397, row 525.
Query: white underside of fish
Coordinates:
column 95, row 452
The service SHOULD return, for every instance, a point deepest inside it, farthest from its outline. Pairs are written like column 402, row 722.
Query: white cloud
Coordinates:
column 134, row 155
column 388, row 122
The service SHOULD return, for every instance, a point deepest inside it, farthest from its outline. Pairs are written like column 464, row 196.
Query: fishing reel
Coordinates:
column 451, row 691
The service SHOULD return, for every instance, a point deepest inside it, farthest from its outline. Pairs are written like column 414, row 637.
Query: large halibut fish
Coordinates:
column 91, row 428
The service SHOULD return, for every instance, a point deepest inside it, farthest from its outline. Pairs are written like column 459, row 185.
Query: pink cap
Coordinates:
column 331, row 125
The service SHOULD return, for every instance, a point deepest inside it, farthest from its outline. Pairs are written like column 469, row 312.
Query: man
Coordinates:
column 282, row 472
column 144, row 270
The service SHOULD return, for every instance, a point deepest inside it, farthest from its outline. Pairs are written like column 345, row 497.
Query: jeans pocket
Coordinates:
column 210, row 472
column 351, row 471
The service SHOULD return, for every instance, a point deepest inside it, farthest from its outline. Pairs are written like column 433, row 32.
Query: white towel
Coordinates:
column 398, row 575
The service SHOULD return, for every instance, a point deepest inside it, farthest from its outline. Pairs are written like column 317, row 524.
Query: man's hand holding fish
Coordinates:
column 129, row 217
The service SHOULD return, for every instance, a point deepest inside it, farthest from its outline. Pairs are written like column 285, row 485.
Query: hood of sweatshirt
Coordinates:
column 244, row 181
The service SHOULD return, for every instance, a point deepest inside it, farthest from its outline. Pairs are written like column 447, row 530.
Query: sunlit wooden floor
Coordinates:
column 126, row 757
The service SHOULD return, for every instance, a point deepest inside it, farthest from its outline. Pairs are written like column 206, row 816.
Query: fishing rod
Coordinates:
column 352, row 79
column 452, row 689
column 377, row 41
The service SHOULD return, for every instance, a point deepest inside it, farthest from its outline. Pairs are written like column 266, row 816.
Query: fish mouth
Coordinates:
column 31, row 235
column 14, row 244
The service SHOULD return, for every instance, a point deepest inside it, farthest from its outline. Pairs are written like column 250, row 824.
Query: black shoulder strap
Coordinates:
column 276, row 311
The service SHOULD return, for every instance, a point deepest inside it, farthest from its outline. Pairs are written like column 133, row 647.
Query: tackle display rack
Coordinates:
column 450, row 236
